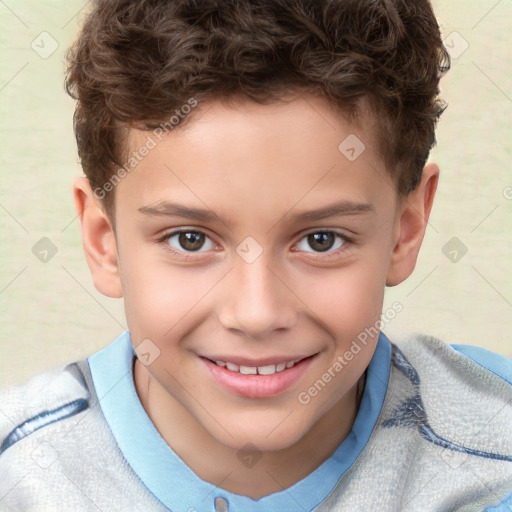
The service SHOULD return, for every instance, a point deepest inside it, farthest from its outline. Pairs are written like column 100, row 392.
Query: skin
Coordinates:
column 254, row 166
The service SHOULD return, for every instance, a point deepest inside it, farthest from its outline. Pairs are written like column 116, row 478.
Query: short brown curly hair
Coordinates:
column 136, row 62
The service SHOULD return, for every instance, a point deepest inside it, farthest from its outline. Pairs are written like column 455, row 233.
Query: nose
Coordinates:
column 256, row 300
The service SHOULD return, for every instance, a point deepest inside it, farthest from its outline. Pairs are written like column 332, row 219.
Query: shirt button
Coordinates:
column 221, row 505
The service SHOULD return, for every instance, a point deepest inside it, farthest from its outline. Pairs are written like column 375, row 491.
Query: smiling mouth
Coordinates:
column 266, row 380
column 269, row 369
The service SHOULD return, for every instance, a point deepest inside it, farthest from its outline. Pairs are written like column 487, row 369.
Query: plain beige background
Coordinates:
column 50, row 313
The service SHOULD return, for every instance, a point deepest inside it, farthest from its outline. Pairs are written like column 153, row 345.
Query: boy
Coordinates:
column 256, row 174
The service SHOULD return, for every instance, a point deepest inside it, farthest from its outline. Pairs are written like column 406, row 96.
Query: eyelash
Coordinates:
column 346, row 242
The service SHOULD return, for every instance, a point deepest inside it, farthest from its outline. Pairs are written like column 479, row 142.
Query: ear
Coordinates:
column 98, row 239
column 411, row 224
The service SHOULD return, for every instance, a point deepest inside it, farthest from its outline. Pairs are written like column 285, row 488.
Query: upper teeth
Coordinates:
column 269, row 369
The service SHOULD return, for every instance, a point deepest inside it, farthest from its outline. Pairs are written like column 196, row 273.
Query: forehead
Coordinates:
column 244, row 154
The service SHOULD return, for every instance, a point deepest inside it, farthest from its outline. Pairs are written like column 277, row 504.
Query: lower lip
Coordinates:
column 258, row 386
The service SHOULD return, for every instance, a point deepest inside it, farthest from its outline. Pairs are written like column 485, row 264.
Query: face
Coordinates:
column 252, row 253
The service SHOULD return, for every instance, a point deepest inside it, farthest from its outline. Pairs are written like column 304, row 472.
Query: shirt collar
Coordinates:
column 174, row 483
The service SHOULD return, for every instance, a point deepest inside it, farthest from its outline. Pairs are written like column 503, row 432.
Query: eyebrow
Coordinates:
column 333, row 210
column 340, row 208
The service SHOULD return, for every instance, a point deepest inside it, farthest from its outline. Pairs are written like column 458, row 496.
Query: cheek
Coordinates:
column 162, row 299
column 347, row 300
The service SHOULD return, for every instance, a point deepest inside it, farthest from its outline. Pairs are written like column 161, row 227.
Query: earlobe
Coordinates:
column 411, row 226
column 98, row 239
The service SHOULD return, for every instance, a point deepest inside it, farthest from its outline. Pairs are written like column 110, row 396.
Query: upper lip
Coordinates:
column 266, row 361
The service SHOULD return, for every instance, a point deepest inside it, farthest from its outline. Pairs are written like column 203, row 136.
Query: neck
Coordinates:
column 265, row 472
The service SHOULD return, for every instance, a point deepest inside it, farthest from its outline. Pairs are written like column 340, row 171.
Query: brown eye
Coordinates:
column 323, row 242
column 187, row 241
column 191, row 240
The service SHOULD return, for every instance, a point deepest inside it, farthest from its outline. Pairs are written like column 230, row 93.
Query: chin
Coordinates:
column 260, row 436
